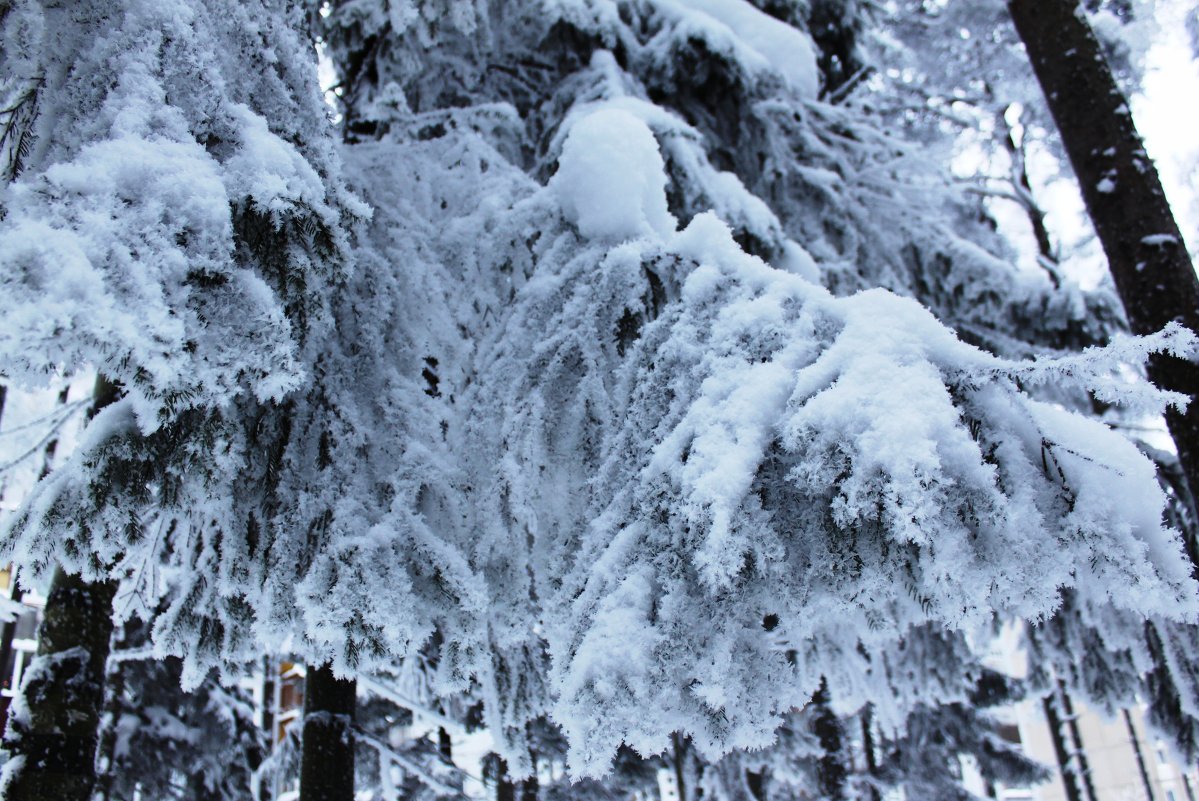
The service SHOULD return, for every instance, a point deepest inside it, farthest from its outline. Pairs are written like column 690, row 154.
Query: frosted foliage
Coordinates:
column 179, row 223
column 611, row 180
column 366, row 470
column 737, row 137
column 508, row 418
column 118, row 246
column 763, row 448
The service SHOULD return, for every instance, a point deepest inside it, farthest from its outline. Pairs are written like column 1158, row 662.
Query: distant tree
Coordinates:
column 161, row 742
column 1157, row 284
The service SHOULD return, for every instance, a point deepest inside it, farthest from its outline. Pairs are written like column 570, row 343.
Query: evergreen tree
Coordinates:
column 589, row 362
column 1155, row 278
column 979, row 74
column 164, row 743
column 660, row 396
column 925, row 760
column 53, row 725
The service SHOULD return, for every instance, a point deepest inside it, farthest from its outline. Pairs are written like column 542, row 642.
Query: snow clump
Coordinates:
column 611, row 181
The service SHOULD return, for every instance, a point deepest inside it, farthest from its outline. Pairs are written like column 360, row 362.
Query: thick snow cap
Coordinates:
column 611, row 181
column 763, row 42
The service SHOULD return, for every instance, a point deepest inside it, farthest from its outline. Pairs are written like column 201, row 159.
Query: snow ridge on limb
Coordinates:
column 835, row 462
column 714, row 439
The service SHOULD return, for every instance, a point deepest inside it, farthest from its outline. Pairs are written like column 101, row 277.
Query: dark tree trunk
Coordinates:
column 755, row 782
column 1061, row 751
column 445, row 746
column 8, row 633
column 114, row 710
column 55, row 734
column 505, row 790
column 270, row 673
column 1080, row 753
column 55, row 738
column 327, row 760
column 680, row 765
column 1145, row 251
column 868, row 749
column 830, row 771
column 9, row 630
column 1136, row 747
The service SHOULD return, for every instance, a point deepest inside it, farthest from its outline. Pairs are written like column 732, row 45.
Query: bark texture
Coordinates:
column 1136, row 747
column 1145, row 251
column 52, row 733
column 831, row 773
column 327, row 759
column 505, row 789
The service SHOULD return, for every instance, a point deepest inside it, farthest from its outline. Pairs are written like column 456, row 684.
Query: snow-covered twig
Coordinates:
column 407, row 764
column 383, row 691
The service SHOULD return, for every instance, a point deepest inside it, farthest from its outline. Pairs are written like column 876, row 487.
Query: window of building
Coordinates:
column 1009, row 732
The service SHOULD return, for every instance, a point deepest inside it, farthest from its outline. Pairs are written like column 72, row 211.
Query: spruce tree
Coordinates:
column 647, row 375
column 594, row 356
column 161, row 742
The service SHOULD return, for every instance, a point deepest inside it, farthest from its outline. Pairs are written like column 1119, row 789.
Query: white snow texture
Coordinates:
column 541, row 385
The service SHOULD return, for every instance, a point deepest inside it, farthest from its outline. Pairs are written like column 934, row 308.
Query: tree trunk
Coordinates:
column 755, row 782
column 327, row 759
column 1145, row 251
column 112, row 713
column 1054, row 721
column 680, row 772
column 1136, row 748
column 505, row 790
column 831, row 773
column 55, row 722
column 868, row 749
column 1080, row 753
column 269, row 674
column 54, row 726
column 8, row 632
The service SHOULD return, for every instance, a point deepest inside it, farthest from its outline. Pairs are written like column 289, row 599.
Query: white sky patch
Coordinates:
column 327, row 76
column 1167, row 115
